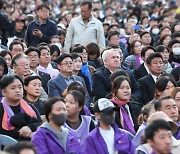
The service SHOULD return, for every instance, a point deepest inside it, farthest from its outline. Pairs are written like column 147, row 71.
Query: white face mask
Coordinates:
column 155, row 31
column 135, row 21
column 176, row 51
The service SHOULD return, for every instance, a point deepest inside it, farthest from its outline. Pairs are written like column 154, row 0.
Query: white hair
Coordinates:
column 106, row 53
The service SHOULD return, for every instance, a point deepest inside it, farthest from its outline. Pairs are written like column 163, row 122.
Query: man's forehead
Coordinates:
column 167, row 102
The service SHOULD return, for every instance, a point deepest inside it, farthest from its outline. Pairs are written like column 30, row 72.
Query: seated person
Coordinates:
column 158, row 135
column 80, row 125
column 18, row 119
column 107, row 137
column 32, row 93
column 23, row 147
column 129, row 109
column 52, row 137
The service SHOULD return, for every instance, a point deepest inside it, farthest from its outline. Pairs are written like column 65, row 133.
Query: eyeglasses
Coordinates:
column 67, row 63
column 18, row 50
column 45, row 11
column 33, row 57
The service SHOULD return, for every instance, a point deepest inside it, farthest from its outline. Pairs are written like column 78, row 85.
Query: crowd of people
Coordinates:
column 90, row 77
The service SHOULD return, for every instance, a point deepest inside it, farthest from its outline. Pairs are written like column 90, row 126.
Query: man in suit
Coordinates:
column 143, row 69
column 33, row 56
column 57, row 85
column 112, row 58
column 147, row 83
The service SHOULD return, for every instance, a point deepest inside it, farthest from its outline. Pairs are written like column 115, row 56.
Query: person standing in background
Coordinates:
column 85, row 29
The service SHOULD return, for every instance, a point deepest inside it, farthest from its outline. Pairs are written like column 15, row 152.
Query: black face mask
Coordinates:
column 59, row 119
column 108, row 118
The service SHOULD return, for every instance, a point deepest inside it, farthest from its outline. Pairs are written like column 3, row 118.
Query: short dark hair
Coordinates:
column 49, row 104
column 146, row 48
column 42, row 5
column 30, row 78
column 172, row 42
column 79, row 49
column 158, row 102
column 143, row 33
column 112, row 33
column 162, row 28
column 155, row 126
column 119, row 72
column 175, row 34
column 43, row 48
column 75, row 56
column 152, row 56
column 30, row 49
column 62, row 57
column 161, row 48
column 8, row 79
column 14, row 43
column 19, row 146
column 89, row 3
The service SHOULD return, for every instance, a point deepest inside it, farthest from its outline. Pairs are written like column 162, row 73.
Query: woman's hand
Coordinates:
column 25, row 132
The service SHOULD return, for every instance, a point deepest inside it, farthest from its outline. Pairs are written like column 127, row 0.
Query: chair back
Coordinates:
column 5, row 141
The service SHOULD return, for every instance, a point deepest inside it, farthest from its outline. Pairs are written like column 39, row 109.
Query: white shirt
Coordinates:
column 108, row 136
column 154, row 77
column 49, row 70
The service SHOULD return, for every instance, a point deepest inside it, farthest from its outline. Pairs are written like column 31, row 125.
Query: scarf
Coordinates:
column 139, row 60
column 8, row 113
column 126, row 121
column 85, row 71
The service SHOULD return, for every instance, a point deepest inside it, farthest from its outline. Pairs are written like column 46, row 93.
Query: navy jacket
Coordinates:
column 102, row 85
column 48, row 29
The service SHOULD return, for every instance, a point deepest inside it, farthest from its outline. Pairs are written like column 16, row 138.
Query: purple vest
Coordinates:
column 83, row 130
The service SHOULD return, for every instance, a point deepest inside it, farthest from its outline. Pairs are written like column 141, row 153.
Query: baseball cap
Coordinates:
column 161, row 115
column 153, row 18
column 104, row 105
column 18, row 19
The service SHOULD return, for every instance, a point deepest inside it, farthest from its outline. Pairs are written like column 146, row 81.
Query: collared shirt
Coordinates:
column 68, row 80
column 154, row 77
column 49, row 70
column 87, row 20
column 146, row 68
column 37, row 21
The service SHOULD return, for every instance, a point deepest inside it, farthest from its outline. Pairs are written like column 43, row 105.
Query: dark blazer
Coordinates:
column 140, row 72
column 147, row 86
column 44, row 80
column 102, row 85
column 57, row 85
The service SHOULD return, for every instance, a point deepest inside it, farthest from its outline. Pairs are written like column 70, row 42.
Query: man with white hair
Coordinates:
column 112, row 58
